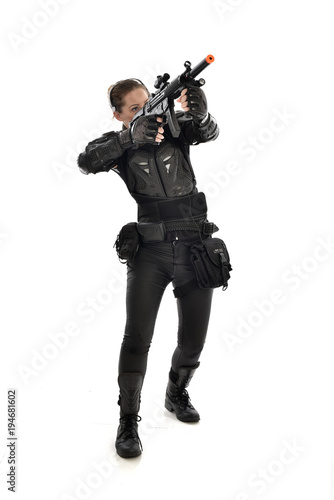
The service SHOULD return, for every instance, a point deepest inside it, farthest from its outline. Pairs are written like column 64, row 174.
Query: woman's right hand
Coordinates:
column 146, row 129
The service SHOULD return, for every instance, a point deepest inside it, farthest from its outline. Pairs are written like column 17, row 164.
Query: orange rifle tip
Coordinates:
column 209, row 59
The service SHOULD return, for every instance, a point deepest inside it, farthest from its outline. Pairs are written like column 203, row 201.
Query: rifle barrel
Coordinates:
column 202, row 65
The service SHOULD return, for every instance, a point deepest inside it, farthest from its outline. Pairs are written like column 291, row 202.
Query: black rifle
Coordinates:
column 162, row 103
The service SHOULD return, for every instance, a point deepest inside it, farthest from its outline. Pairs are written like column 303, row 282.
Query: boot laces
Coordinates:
column 184, row 399
column 129, row 430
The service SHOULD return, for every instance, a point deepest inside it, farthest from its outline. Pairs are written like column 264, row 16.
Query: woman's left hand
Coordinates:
column 193, row 102
column 183, row 99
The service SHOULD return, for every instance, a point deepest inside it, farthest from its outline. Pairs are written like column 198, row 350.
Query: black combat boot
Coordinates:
column 128, row 444
column 177, row 398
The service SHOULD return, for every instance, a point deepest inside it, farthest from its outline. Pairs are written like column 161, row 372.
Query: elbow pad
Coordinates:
column 208, row 129
column 82, row 164
column 100, row 154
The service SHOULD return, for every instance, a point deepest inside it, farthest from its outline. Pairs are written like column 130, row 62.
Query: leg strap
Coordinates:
column 182, row 290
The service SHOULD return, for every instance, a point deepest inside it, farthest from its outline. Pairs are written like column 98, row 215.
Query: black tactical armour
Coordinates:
column 152, row 170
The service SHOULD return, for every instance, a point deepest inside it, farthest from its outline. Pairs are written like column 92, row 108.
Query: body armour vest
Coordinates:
column 160, row 171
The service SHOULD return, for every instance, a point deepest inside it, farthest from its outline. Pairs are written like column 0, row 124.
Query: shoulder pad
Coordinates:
column 102, row 139
column 110, row 134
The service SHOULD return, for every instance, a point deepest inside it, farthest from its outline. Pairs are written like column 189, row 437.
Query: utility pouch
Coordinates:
column 127, row 242
column 211, row 262
column 151, row 231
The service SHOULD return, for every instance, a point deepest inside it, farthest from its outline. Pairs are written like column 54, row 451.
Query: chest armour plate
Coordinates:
column 160, row 171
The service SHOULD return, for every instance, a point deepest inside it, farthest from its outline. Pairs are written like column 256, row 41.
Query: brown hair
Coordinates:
column 118, row 91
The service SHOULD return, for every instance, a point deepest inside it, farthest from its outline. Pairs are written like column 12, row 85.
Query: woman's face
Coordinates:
column 133, row 102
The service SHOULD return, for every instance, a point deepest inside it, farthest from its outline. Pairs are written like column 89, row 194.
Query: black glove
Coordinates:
column 143, row 130
column 197, row 104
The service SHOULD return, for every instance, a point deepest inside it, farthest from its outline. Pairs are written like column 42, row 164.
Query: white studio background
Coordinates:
column 264, row 388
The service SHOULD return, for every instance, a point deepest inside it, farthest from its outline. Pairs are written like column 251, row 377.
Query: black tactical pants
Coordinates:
column 154, row 267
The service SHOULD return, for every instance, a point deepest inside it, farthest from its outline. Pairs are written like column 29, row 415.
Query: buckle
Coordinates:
column 151, row 231
column 209, row 228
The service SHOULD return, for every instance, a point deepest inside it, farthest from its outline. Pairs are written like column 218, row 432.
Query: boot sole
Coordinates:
column 128, row 455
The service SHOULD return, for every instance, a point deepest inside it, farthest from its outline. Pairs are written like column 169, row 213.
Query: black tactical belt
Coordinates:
column 169, row 209
column 205, row 227
column 156, row 231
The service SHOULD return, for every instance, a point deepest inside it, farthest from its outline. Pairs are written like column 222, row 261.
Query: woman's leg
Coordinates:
column 148, row 276
column 194, row 312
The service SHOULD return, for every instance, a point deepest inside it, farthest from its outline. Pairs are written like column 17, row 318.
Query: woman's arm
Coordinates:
column 197, row 125
column 197, row 133
column 100, row 154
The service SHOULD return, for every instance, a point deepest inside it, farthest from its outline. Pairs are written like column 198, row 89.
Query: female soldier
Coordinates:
column 171, row 217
